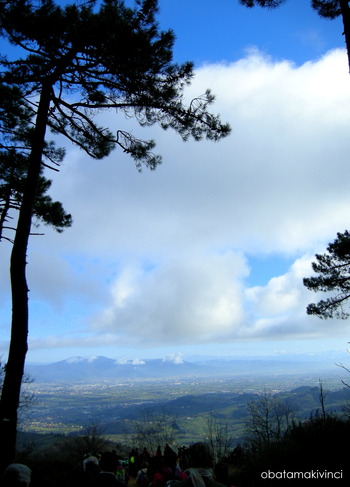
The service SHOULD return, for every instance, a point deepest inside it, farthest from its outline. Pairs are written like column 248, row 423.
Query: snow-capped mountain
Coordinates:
column 103, row 368
column 94, row 368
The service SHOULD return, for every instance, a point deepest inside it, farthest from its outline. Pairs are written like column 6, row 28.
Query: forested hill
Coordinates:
column 115, row 408
column 304, row 401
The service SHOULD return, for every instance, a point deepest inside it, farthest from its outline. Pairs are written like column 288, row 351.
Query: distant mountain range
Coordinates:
column 102, row 368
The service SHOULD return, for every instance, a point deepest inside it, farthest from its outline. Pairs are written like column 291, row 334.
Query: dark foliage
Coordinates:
column 91, row 60
column 15, row 145
column 329, row 9
column 325, row 8
column 311, row 446
column 315, row 445
column 333, row 269
column 262, row 3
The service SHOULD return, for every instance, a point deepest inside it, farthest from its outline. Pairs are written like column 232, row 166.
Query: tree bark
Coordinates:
column 345, row 12
column 5, row 211
column 19, row 327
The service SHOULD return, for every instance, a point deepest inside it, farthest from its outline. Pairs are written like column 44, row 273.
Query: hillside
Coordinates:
column 115, row 406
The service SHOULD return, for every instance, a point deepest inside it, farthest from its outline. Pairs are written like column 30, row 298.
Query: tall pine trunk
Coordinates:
column 10, row 396
column 345, row 12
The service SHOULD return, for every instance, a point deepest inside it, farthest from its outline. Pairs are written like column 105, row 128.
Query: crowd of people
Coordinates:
column 187, row 467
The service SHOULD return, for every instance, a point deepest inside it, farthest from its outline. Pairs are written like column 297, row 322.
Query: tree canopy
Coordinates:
column 329, row 9
column 91, row 60
column 333, row 269
column 15, row 135
column 325, row 8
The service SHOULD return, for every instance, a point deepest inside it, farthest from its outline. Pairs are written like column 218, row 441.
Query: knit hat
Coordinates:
column 19, row 473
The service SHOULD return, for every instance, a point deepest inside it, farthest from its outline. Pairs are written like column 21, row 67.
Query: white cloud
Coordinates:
column 279, row 177
column 75, row 360
column 161, row 255
column 205, row 301
column 176, row 358
column 279, row 308
column 283, row 294
column 125, row 361
column 192, row 298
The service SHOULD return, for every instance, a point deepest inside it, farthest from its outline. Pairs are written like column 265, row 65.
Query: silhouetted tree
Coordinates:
column 154, row 429
column 268, row 419
column 15, row 136
column 27, row 397
column 13, row 170
column 333, row 269
column 74, row 62
column 91, row 440
column 218, row 436
column 329, row 9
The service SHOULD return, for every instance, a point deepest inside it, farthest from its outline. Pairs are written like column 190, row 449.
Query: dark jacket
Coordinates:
column 106, row 479
column 209, row 482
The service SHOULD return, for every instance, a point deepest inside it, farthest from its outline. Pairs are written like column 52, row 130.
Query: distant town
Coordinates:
column 115, row 404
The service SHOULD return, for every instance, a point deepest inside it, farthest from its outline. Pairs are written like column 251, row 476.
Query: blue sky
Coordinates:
column 221, row 31
column 206, row 255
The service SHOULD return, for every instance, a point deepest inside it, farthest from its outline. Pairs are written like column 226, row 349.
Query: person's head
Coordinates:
column 109, row 462
column 200, row 455
column 17, row 475
column 91, row 465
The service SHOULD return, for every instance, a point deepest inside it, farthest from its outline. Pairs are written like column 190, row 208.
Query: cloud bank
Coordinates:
column 163, row 258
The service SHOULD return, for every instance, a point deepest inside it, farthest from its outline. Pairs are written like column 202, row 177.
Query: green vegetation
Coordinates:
column 116, row 407
column 332, row 276
column 310, row 443
column 313, row 448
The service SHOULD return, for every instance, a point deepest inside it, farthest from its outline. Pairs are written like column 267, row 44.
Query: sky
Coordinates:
column 206, row 254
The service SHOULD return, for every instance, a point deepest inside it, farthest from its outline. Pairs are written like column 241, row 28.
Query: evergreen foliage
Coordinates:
column 91, row 61
column 15, row 137
column 311, row 446
column 329, row 9
column 314, row 447
column 262, row 3
column 333, row 269
column 325, row 8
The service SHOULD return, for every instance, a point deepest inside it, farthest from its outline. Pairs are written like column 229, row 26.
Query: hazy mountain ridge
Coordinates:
column 103, row 368
column 304, row 400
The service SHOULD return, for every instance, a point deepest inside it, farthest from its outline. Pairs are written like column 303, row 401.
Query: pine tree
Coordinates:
column 329, row 9
column 74, row 62
column 333, row 269
column 15, row 135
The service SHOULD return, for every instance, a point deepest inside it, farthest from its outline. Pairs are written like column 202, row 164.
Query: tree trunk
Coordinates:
column 5, row 211
column 19, row 328
column 345, row 12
